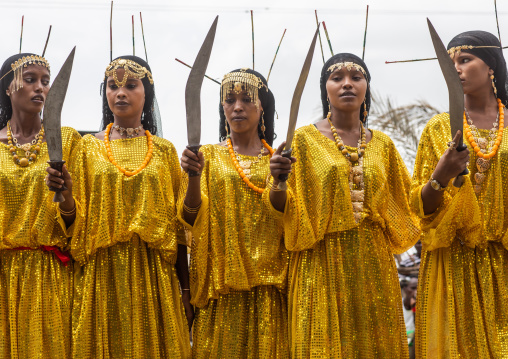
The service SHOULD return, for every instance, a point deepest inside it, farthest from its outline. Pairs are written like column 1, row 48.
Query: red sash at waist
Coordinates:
column 63, row 257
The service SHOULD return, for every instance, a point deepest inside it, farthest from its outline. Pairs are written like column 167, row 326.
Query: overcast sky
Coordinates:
column 397, row 30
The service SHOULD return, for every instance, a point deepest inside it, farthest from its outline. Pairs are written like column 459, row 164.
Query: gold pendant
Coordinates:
column 477, row 188
column 357, row 196
column 482, row 164
column 245, row 164
column 26, row 147
column 479, row 178
column 358, row 216
column 482, row 143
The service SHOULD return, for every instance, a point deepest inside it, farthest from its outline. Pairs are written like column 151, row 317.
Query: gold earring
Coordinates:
column 493, row 85
column 227, row 128
column 263, row 128
column 329, row 111
column 7, row 93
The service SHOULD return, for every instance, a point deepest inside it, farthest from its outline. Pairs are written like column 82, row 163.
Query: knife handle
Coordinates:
column 284, row 177
column 58, row 197
column 458, row 181
column 195, row 150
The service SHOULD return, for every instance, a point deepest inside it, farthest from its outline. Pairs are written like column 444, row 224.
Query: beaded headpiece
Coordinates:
column 18, row 65
column 132, row 70
column 458, row 49
column 241, row 81
column 348, row 65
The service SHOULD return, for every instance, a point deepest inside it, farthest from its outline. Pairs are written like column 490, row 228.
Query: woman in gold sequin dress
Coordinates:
column 127, row 295
column 35, row 273
column 346, row 211
column 238, row 261
column 463, row 285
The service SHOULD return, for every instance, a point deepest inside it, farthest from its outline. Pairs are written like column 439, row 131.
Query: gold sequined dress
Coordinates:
column 35, row 286
column 238, row 264
column 461, row 309
column 344, row 296
column 127, row 296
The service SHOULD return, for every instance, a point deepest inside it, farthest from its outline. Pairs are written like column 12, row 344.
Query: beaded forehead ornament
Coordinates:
column 458, row 49
column 348, row 65
column 241, row 81
column 132, row 70
column 18, row 65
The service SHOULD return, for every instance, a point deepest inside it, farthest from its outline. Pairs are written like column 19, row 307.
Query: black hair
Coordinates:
column 325, row 74
column 150, row 118
column 492, row 56
column 5, row 101
column 267, row 102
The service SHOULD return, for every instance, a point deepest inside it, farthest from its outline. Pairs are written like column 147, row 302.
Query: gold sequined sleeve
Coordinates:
column 114, row 207
column 459, row 214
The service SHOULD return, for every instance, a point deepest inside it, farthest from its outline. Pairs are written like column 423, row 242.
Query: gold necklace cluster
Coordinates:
column 129, row 131
column 31, row 149
column 485, row 148
column 355, row 159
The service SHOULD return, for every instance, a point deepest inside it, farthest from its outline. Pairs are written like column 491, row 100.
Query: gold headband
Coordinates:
column 458, row 49
column 241, row 81
column 18, row 65
column 348, row 65
column 132, row 70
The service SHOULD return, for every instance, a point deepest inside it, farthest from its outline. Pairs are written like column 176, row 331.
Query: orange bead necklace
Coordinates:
column 239, row 168
column 470, row 137
column 112, row 159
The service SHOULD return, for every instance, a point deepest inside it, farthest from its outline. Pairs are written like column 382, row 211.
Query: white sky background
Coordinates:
column 397, row 30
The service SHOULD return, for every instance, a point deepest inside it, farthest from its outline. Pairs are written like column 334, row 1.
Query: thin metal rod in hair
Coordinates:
column 111, row 33
column 190, row 67
column 320, row 43
column 276, row 52
column 252, row 23
column 21, row 36
column 143, row 33
column 497, row 22
column 452, row 52
column 133, row 44
column 365, row 33
column 327, row 37
column 47, row 39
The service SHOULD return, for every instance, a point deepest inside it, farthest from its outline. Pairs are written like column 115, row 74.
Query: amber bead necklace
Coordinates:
column 112, row 159
column 30, row 155
column 240, row 170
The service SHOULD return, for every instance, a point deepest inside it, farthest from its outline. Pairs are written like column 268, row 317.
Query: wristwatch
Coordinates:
column 436, row 185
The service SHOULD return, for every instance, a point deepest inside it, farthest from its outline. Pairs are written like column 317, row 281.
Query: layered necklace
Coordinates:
column 243, row 167
column 31, row 149
column 112, row 159
column 485, row 148
column 355, row 160
column 129, row 131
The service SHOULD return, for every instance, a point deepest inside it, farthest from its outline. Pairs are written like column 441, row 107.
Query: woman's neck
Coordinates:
column 480, row 103
column 24, row 124
column 246, row 143
column 346, row 121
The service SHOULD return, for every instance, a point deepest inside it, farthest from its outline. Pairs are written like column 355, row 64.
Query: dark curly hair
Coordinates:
column 5, row 101
column 267, row 102
column 325, row 74
column 150, row 118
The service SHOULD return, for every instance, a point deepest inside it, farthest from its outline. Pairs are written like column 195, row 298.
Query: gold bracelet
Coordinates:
column 276, row 189
column 191, row 210
column 185, row 289
column 69, row 213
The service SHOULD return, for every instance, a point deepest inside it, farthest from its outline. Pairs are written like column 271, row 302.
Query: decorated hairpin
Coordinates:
column 365, row 33
column 143, row 34
column 190, row 67
column 133, row 44
column 327, row 37
column 21, row 36
column 252, row 23
column 319, row 35
column 47, row 39
column 276, row 52
column 454, row 50
column 111, row 33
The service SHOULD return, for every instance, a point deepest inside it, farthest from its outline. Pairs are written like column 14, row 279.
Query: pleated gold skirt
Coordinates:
column 35, row 305
column 128, row 305
column 243, row 324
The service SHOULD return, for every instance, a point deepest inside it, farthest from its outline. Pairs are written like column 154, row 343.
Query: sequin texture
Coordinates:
column 35, row 288
column 125, row 239
column 344, row 295
column 463, row 272
column 238, row 264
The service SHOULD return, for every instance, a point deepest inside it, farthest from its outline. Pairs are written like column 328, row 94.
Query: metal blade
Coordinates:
column 455, row 91
column 297, row 95
column 53, row 109
column 193, row 88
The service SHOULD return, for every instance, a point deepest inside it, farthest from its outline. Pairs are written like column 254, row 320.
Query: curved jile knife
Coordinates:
column 52, row 120
column 193, row 92
column 295, row 106
column 455, row 93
